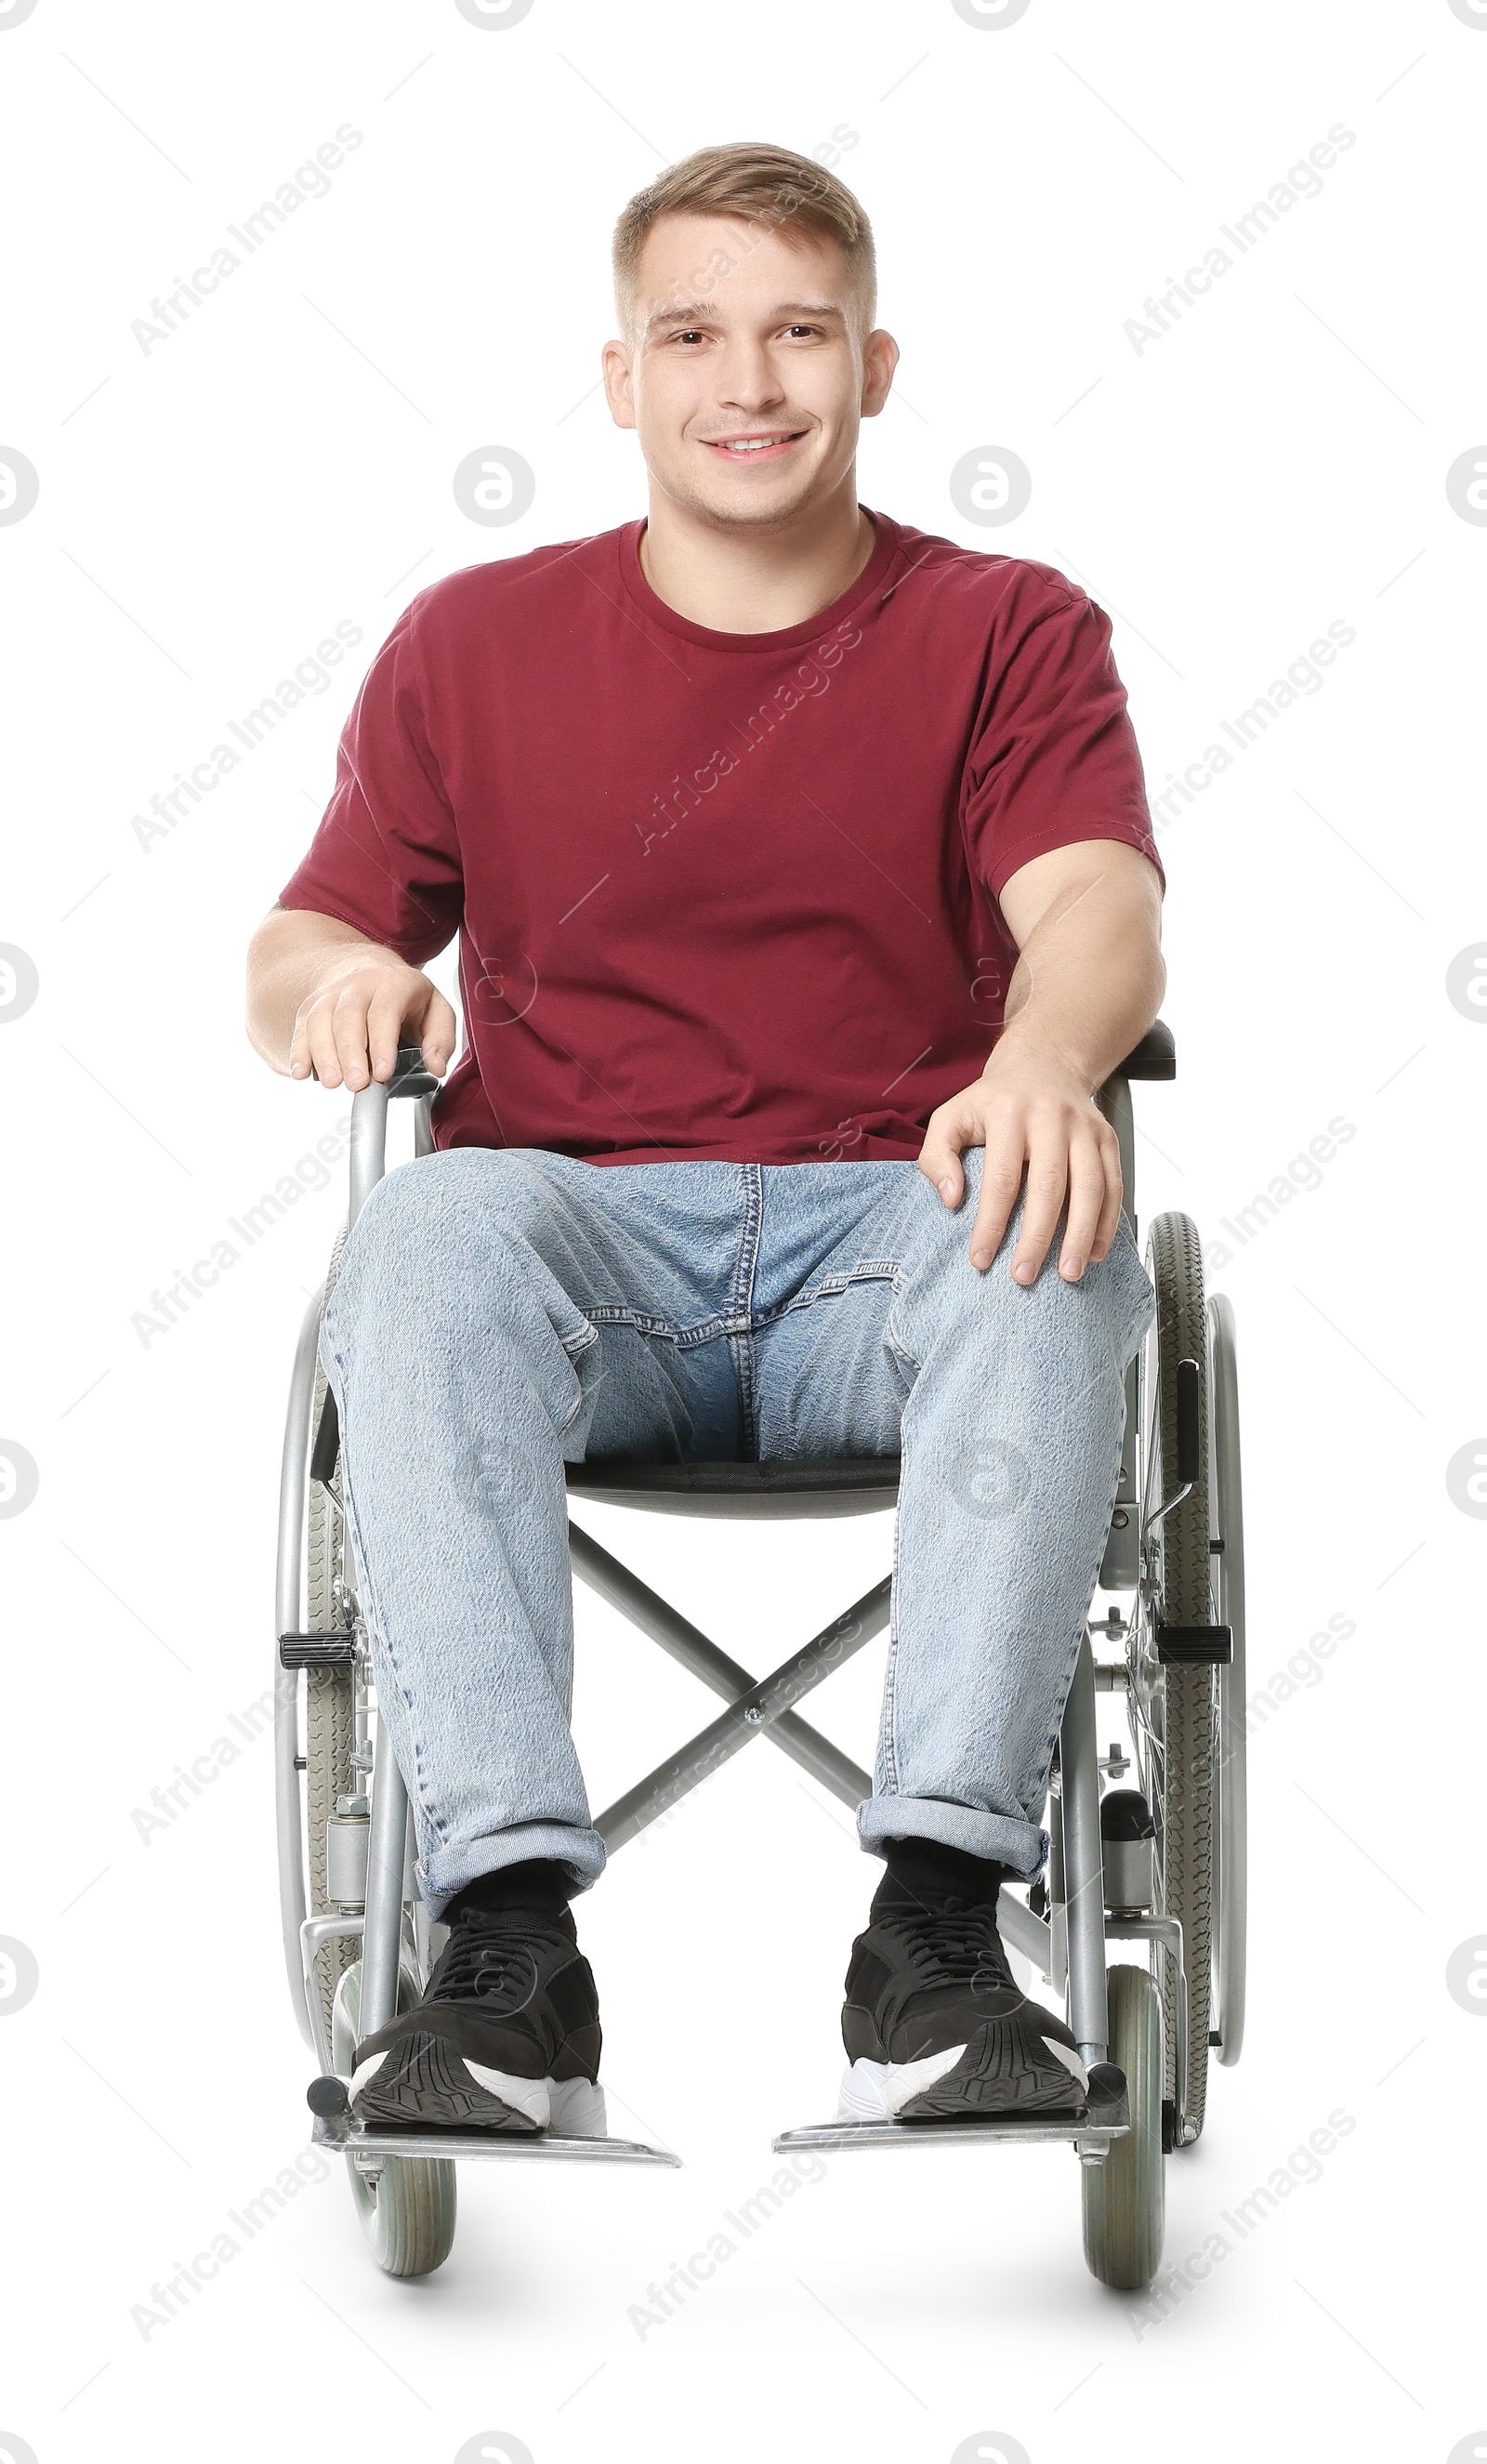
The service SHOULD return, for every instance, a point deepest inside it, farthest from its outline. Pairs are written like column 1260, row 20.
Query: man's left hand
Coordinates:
column 1030, row 1109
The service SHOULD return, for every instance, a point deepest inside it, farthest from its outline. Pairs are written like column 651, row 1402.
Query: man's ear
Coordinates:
column 618, row 389
column 880, row 359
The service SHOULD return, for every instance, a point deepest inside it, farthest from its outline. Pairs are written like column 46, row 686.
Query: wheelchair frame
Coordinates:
column 1064, row 1939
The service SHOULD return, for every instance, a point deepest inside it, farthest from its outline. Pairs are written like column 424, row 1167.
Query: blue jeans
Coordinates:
column 501, row 1312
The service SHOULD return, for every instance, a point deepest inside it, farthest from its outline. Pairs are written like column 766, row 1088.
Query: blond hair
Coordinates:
column 765, row 185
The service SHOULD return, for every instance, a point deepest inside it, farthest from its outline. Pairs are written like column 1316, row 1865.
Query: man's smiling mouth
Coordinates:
column 739, row 449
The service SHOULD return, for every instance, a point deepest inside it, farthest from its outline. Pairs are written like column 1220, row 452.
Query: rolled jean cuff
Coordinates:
column 1022, row 1846
column 441, row 1876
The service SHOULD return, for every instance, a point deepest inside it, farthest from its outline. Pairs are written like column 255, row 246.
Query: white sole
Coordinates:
column 569, row 2108
column 878, row 2091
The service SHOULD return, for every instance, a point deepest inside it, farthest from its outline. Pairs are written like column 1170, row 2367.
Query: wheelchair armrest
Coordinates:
column 1155, row 1056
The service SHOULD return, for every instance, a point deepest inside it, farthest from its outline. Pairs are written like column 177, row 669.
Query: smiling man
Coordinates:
column 806, row 893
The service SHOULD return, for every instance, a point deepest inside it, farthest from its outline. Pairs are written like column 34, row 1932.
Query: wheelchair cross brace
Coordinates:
column 756, row 1708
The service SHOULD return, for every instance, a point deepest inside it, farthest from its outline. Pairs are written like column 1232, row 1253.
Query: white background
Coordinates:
column 207, row 513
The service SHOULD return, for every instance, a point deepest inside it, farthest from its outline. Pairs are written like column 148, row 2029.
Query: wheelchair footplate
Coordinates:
column 1105, row 2118
column 342, row 2134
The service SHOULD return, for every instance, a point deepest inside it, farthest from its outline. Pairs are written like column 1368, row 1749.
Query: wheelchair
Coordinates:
column 1154, row 1870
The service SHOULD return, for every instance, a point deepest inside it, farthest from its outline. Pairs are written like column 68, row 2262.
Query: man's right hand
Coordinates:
column 342, row 1004
column 348, row 1031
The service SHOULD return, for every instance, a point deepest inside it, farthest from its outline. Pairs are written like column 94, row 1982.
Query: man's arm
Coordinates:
column 322, row 997
column 1087, row 984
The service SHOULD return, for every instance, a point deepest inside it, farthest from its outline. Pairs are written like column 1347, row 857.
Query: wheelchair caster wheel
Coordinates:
column 1123, row 2198
column 405, row 2203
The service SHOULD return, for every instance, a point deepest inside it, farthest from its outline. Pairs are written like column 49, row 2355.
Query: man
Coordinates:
column 806, row 893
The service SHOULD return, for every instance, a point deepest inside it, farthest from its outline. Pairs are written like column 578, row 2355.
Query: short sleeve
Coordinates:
column 385, row 857
column 1054, row 757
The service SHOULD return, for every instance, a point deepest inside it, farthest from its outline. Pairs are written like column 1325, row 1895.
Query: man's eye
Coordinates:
column 801, row 329
column 692, row 334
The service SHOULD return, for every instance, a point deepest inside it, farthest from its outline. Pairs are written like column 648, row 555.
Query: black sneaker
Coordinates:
column 936, row 2027
column 505, row 2037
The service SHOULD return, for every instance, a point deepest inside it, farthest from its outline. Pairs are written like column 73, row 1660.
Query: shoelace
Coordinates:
column 954, row 1945
column 501, row 1967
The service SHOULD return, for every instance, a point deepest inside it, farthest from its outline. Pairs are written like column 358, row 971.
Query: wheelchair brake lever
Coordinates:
column 1163, row 1511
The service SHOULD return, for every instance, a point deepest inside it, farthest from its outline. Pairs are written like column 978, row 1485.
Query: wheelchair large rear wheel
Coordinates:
column 1176, row 1705
column 1231, row 1890
column 330, row 1693
column 1124, row 2205
column 407, row 2202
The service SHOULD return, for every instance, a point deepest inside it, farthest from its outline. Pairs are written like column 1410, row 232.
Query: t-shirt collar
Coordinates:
column 873, row 577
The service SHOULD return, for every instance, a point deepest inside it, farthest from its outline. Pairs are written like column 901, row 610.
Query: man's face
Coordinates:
column 745, row 374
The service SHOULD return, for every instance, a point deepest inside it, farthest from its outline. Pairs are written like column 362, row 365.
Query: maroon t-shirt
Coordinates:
column 721, row 895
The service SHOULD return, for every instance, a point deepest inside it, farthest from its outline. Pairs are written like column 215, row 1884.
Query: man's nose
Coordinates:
column 747, row 378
